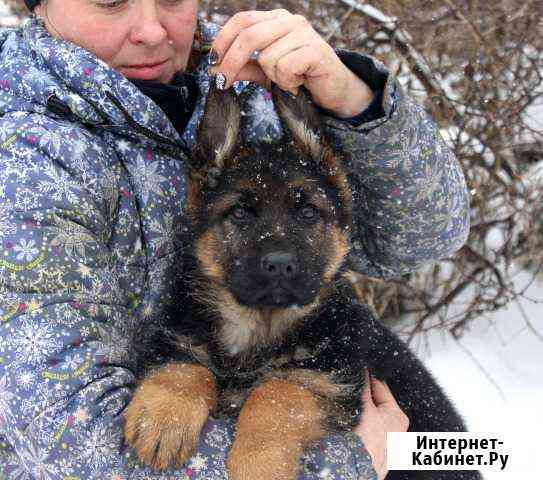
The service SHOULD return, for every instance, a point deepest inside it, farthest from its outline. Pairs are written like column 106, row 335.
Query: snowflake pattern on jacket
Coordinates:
column 92, row 190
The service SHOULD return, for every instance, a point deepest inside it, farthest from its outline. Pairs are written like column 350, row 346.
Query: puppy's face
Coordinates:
column 272, row 224
column 274, row 233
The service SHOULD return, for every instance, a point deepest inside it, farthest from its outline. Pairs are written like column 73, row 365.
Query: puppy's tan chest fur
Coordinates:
column 243, row 328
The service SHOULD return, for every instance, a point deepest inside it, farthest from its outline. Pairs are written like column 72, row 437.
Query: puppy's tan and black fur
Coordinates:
column 269, row 332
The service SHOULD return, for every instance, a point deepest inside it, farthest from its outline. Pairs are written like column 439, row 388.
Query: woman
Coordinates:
column 99, row 101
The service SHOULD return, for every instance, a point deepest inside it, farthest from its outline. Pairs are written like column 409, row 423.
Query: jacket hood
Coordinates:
column 40, row 73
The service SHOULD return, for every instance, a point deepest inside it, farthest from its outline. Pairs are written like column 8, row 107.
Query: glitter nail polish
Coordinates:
column 213, row 57
column 220, row 81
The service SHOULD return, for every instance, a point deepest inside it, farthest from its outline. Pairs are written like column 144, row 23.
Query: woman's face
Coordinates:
column 142, row 39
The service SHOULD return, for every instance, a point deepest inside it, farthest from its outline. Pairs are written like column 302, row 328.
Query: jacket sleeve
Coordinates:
column 411, row 199
column 66, row 373
column 65, row 369
column 338, row 457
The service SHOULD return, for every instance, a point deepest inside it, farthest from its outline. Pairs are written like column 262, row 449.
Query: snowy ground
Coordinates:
column 495, row 373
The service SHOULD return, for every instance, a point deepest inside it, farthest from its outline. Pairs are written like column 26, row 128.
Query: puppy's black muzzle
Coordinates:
column 275, row 278
column 279, row 264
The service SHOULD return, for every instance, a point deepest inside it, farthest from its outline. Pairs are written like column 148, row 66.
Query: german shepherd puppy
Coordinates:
column 270, row 333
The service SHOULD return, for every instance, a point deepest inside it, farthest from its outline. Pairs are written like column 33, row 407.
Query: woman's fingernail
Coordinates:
column 213, row 57
column 294, row 91
column 220, row 81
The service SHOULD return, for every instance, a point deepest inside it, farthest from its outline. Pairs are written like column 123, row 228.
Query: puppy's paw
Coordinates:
column 271, row 461
column 167, row 413
column 277, row 422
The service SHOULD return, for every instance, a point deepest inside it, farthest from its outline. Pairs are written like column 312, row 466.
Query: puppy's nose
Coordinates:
column 276, row 264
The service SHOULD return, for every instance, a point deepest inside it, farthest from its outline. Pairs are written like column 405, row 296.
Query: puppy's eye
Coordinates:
column 309, row 212
column 239, row 213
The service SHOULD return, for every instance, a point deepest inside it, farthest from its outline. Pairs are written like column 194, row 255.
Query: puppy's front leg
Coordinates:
column 279, row 420
column 167, row 413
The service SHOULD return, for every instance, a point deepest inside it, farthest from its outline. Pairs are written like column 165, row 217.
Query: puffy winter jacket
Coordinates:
column 92, row 194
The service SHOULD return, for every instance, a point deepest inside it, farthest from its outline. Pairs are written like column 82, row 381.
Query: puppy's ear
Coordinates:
column 301, row 120
column 218, row 136
column 303, row 124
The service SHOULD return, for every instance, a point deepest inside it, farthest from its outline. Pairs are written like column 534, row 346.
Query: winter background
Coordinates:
column 494, row 373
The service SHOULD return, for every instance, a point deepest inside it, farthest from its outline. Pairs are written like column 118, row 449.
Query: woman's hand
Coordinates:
column 381, row 415
column 291, row 54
